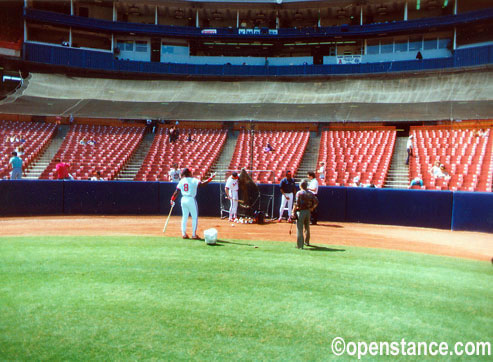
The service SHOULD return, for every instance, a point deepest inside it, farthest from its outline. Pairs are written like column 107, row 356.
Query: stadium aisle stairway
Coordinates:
column 112, row 149
column 36, row 137
column 467, row 157
column 348, row 154
column 289, row 147
column 198, row 155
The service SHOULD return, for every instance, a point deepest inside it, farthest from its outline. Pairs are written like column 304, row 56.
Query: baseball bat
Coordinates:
column 167, row 220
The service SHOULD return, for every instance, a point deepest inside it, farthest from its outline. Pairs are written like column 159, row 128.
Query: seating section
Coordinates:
column 348, row 154
column 198, row 155
column 36, row 137
column 112, row 148
column 288, row 149
column 466, row 155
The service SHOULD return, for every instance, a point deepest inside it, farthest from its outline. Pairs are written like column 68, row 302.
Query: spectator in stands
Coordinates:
column 96, row 176
column 419, row 56
column 435, row 169
column 417, row 181
column 15, row 163
column 443, row 173
column 305, row 203
column 268, row 148
column 409, row 147
column 83, row 141
column 91, row 143
column 174, row 173
column 19, row 150
column 174, row 134
column 20, row 139
column 62, row 170
column 321, row 171
column 189, row 137
column 313, row 188
column 288, row 190
column 356, row 182
column 480, row 133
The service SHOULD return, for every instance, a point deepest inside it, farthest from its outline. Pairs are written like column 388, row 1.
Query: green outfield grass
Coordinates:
column 107, row 298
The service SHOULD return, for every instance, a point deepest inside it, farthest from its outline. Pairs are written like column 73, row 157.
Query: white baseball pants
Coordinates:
column 285, row 200
column 189, row 207
column 233, row 208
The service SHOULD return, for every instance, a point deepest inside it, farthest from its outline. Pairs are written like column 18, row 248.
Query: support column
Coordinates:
column 197, row 24
column 456, row 6
column 70, row 37
column 405, row 11
column 319, row 22
column 361, row 15
column 278, row 22
column 156, row 17
column 454, row 45
column 72, row 7
column 115, row 14
column 237, row 18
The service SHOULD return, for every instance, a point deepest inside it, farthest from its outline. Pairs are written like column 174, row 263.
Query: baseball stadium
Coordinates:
column 246, row 180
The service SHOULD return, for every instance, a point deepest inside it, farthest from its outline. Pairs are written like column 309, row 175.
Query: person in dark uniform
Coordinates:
column 305, row 203
column 288, row 190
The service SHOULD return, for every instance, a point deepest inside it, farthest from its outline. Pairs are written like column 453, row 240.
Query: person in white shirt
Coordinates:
column 174, row 173
column 409, row 147
column 321, row 171
column 96, row 176
column 313, row 188
column 435, row 169
column 231, row 189
column 188, row 188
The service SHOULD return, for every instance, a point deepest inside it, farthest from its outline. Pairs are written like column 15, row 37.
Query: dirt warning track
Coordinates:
column 471, row 245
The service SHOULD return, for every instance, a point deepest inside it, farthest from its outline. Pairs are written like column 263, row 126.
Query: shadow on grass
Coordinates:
column 322, row 248
column 232, row 242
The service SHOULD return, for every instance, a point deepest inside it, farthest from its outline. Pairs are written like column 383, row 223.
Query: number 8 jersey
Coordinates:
column 188, row 186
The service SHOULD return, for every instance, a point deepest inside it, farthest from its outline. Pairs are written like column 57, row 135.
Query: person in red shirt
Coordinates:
column 62, row 170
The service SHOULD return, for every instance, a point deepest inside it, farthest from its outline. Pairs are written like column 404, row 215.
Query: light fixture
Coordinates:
column 382, row 10
column 341, row 14
column 179, row 14
column 432, row 4
column 216, row 15
column 133, row 10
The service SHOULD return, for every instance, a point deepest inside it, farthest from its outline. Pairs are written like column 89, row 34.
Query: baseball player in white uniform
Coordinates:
column 313, row 188
column 188, row 187
column 231, row 189
column 174, row 173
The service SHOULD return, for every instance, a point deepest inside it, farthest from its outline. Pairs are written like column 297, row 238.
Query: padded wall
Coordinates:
column 110, row 197
column 436, row 209
column 31, row 197
column 473, row 211
column 399, row 207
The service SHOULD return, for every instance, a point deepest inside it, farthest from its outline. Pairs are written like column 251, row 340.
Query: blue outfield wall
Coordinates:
column 473, row 211
column 31, row 197
column 433, row 209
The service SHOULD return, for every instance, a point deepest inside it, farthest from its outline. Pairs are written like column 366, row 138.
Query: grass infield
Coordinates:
column 107, row 298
